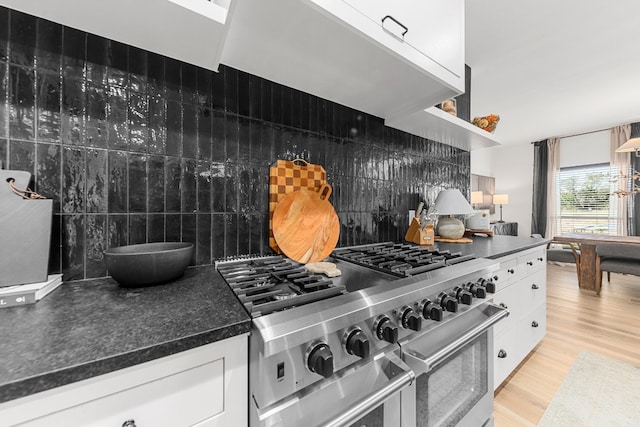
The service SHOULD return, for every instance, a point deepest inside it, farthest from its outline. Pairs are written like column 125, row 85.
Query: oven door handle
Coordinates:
column 371, row 401
column 307, row 404
column 426, row 363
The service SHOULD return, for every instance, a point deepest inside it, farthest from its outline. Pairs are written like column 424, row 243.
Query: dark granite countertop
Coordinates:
column 88, row 328
column 494, row 247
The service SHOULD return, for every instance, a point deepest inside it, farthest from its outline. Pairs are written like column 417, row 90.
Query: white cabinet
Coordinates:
column 522, row 288
column 205, row 386
column 192, row 31
column 343, row 51
column 431, row 27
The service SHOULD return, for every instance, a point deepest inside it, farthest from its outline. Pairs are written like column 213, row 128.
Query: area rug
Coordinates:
column 597, row 391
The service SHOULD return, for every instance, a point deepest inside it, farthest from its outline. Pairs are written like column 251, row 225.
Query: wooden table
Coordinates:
column 587, row 242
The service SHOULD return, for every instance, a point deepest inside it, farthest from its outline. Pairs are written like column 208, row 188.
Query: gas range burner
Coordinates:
column 275, row 283
column 399, row 259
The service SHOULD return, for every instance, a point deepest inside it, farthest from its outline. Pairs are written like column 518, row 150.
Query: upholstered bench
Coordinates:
column 621, row 258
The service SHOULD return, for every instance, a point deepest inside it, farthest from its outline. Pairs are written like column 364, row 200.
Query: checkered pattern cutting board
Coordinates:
column 287, row 176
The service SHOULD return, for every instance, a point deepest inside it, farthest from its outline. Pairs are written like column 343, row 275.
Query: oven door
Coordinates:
column 367, row 394
column 454, row 372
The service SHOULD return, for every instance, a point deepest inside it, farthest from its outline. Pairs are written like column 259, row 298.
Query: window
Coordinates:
column 585, row 202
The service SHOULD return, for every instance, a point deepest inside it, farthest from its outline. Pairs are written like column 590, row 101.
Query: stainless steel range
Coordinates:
column 400, row 338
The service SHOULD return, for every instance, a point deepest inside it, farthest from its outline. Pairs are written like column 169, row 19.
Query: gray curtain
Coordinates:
column 540, row 167
column 633, row 224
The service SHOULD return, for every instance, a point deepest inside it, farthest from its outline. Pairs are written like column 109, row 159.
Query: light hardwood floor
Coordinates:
column 576, row 320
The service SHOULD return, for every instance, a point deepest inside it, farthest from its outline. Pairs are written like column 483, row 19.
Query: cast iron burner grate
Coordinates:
column 275, row 283
column 399, row 259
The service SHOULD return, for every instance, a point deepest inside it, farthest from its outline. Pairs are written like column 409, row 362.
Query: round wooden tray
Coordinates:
column 305, row 225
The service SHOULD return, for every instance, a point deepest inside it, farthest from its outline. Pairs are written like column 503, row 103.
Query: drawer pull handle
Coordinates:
column 534, row 286
column 534, row 324
column 503, row 305
column 502, row 354
column 397, row 22
column 511, row 270
column 529, row 262
column 540, row 259
column 129, row 423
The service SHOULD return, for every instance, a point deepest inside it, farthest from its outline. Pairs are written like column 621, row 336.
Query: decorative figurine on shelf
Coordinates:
column 487, row 123
column 449, row 106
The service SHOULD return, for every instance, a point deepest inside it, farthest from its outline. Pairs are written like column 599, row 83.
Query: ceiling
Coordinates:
column 553, row 68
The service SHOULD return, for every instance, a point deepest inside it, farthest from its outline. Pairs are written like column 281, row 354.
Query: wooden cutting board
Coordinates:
column 305, row 225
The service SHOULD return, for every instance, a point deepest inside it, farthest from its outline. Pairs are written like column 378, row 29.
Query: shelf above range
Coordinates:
column 438, row 125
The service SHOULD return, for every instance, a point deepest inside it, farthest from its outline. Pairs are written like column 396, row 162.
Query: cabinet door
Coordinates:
column 432, row 27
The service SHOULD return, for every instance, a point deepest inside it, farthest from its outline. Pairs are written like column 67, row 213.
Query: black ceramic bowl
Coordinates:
column 149, row 263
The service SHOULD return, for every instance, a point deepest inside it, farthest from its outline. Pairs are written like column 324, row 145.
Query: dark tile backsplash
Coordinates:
column 134, row 147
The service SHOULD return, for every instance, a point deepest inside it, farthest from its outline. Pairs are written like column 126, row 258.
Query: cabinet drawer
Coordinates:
column 533, row 328
column 182, row 399
column 505, row 355
column 535, row 289
column 507, row 273
column 532, row 261
column 511, row 298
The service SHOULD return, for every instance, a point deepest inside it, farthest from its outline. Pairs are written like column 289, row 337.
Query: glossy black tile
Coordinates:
column 244, row 94
column 157, row 122
column 73, row 180
column 137, row 62
column 4, row 34
column 244, row 240
column 118, row 64
column 217, row 88
column 173, row 227
column 21, row 102
column 74, row 49
column 231, row 235
column 48, row 172
column 231, row 90
column 48, row 106
column 205, row 87
column 188, row 185
column 155, row 227
column 137, row 228
column 137, row 114
column 203, row 237
column 218, row 145
column 217, row 236
column 190, row 233
column 174, row 128
column 155, row 68
column 118, row 230
column 22, row 156
column 204, row 187
column 155, row 184
column 117, row 134
column 73, row 244
column 189, row 131
column 137, row 168
column 4, row 105
column 204, row 133
column 73, row 114
column 48, row 45
column 55, row 245
column 22, row 33
column 118, row 182
column 172, row 176
column 4, row 153
column 96, row 125
column 189, row 82
column 96, row 244
column 97, row 179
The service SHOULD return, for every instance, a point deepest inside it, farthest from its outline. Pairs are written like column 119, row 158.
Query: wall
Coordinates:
column 512, row 167
column 134, row 147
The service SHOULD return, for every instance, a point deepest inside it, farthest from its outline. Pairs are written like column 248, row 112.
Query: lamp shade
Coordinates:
column 476, row 197
column 500, row 199
column 452, row 202
column 631, row 145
